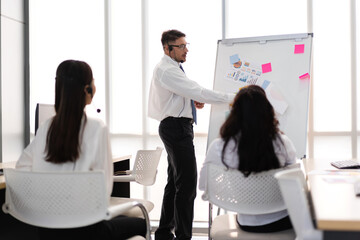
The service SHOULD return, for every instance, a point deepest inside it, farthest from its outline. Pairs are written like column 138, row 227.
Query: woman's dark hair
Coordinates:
column 171, row 36
column 253, row 127
column 64, row 137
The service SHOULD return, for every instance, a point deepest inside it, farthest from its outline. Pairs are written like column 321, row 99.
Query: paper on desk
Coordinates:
column 344, row 172
column 340, row 179
column 338, row 176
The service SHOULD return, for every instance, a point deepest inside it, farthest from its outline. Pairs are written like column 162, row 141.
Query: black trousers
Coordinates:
column 118, row 228
column 279, row 225
column 180, row 191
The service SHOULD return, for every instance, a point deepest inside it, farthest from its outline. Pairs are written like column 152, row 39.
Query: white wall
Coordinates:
column 12, row 78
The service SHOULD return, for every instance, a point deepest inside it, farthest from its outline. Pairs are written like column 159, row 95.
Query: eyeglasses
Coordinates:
column 182, row 46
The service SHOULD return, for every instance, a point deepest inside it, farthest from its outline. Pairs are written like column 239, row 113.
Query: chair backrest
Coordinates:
column 56, row 200
column 145, row 166
column 295, row 193
column 229, row 189
column 42, row 113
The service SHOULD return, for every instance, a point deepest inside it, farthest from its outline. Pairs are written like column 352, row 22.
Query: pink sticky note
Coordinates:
column 299, row 48
column 266, row 67
column 305, row 76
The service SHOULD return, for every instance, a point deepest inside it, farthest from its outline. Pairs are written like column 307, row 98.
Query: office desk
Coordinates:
column 335, row 206
column 2, row 178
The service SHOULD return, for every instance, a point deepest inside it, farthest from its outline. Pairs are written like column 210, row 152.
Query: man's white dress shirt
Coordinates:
column 171, row 92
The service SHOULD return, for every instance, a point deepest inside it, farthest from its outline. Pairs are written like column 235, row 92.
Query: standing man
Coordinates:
column 172, row 101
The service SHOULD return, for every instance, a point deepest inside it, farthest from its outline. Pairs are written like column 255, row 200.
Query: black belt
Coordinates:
column 185, row 119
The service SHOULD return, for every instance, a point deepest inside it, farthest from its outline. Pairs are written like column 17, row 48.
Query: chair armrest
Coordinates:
column 123, row 172
column 5, row 208
column 295, row 165
column 137, row 237
column 116, row 210
column 134, row 212
column 124, row 178
column 120, row 158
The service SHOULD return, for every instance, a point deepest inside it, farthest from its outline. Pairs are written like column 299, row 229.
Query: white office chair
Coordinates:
column 62, row 200
column 256, row 194
column 145, row 168
column 295, row 193
column 42, row 113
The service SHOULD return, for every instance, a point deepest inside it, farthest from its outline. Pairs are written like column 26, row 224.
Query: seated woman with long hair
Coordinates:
column 71, row 141
column 251, row 142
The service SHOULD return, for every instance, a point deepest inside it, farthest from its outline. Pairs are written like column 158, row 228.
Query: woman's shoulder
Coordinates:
column 286, row 149
column 216, row 143
column 219, row 143
column 95, row 123
column 284, row 138
column 230, row 154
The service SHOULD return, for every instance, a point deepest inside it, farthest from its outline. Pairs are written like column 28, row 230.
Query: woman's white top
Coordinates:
column 285, row 152
column 95, row 152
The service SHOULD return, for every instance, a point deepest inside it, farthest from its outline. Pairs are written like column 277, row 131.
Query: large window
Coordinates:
column 126, row 68
column 124, row 52
column 61, row 30
column 264, row 18
column 334, row 102
column 332, row 86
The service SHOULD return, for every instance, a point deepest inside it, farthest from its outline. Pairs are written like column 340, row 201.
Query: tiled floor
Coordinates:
column 200, row 230
column 202, row 237
column 195, row 237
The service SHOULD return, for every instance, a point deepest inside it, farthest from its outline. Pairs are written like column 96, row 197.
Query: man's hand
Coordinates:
column 199, row 105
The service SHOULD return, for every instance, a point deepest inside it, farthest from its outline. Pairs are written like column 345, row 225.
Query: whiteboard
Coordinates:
column 281, row 65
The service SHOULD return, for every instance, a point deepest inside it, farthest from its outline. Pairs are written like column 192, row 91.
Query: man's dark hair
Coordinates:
column 171, row 36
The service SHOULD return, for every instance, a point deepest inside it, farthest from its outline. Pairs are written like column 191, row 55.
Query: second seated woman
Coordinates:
column 252, row 142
